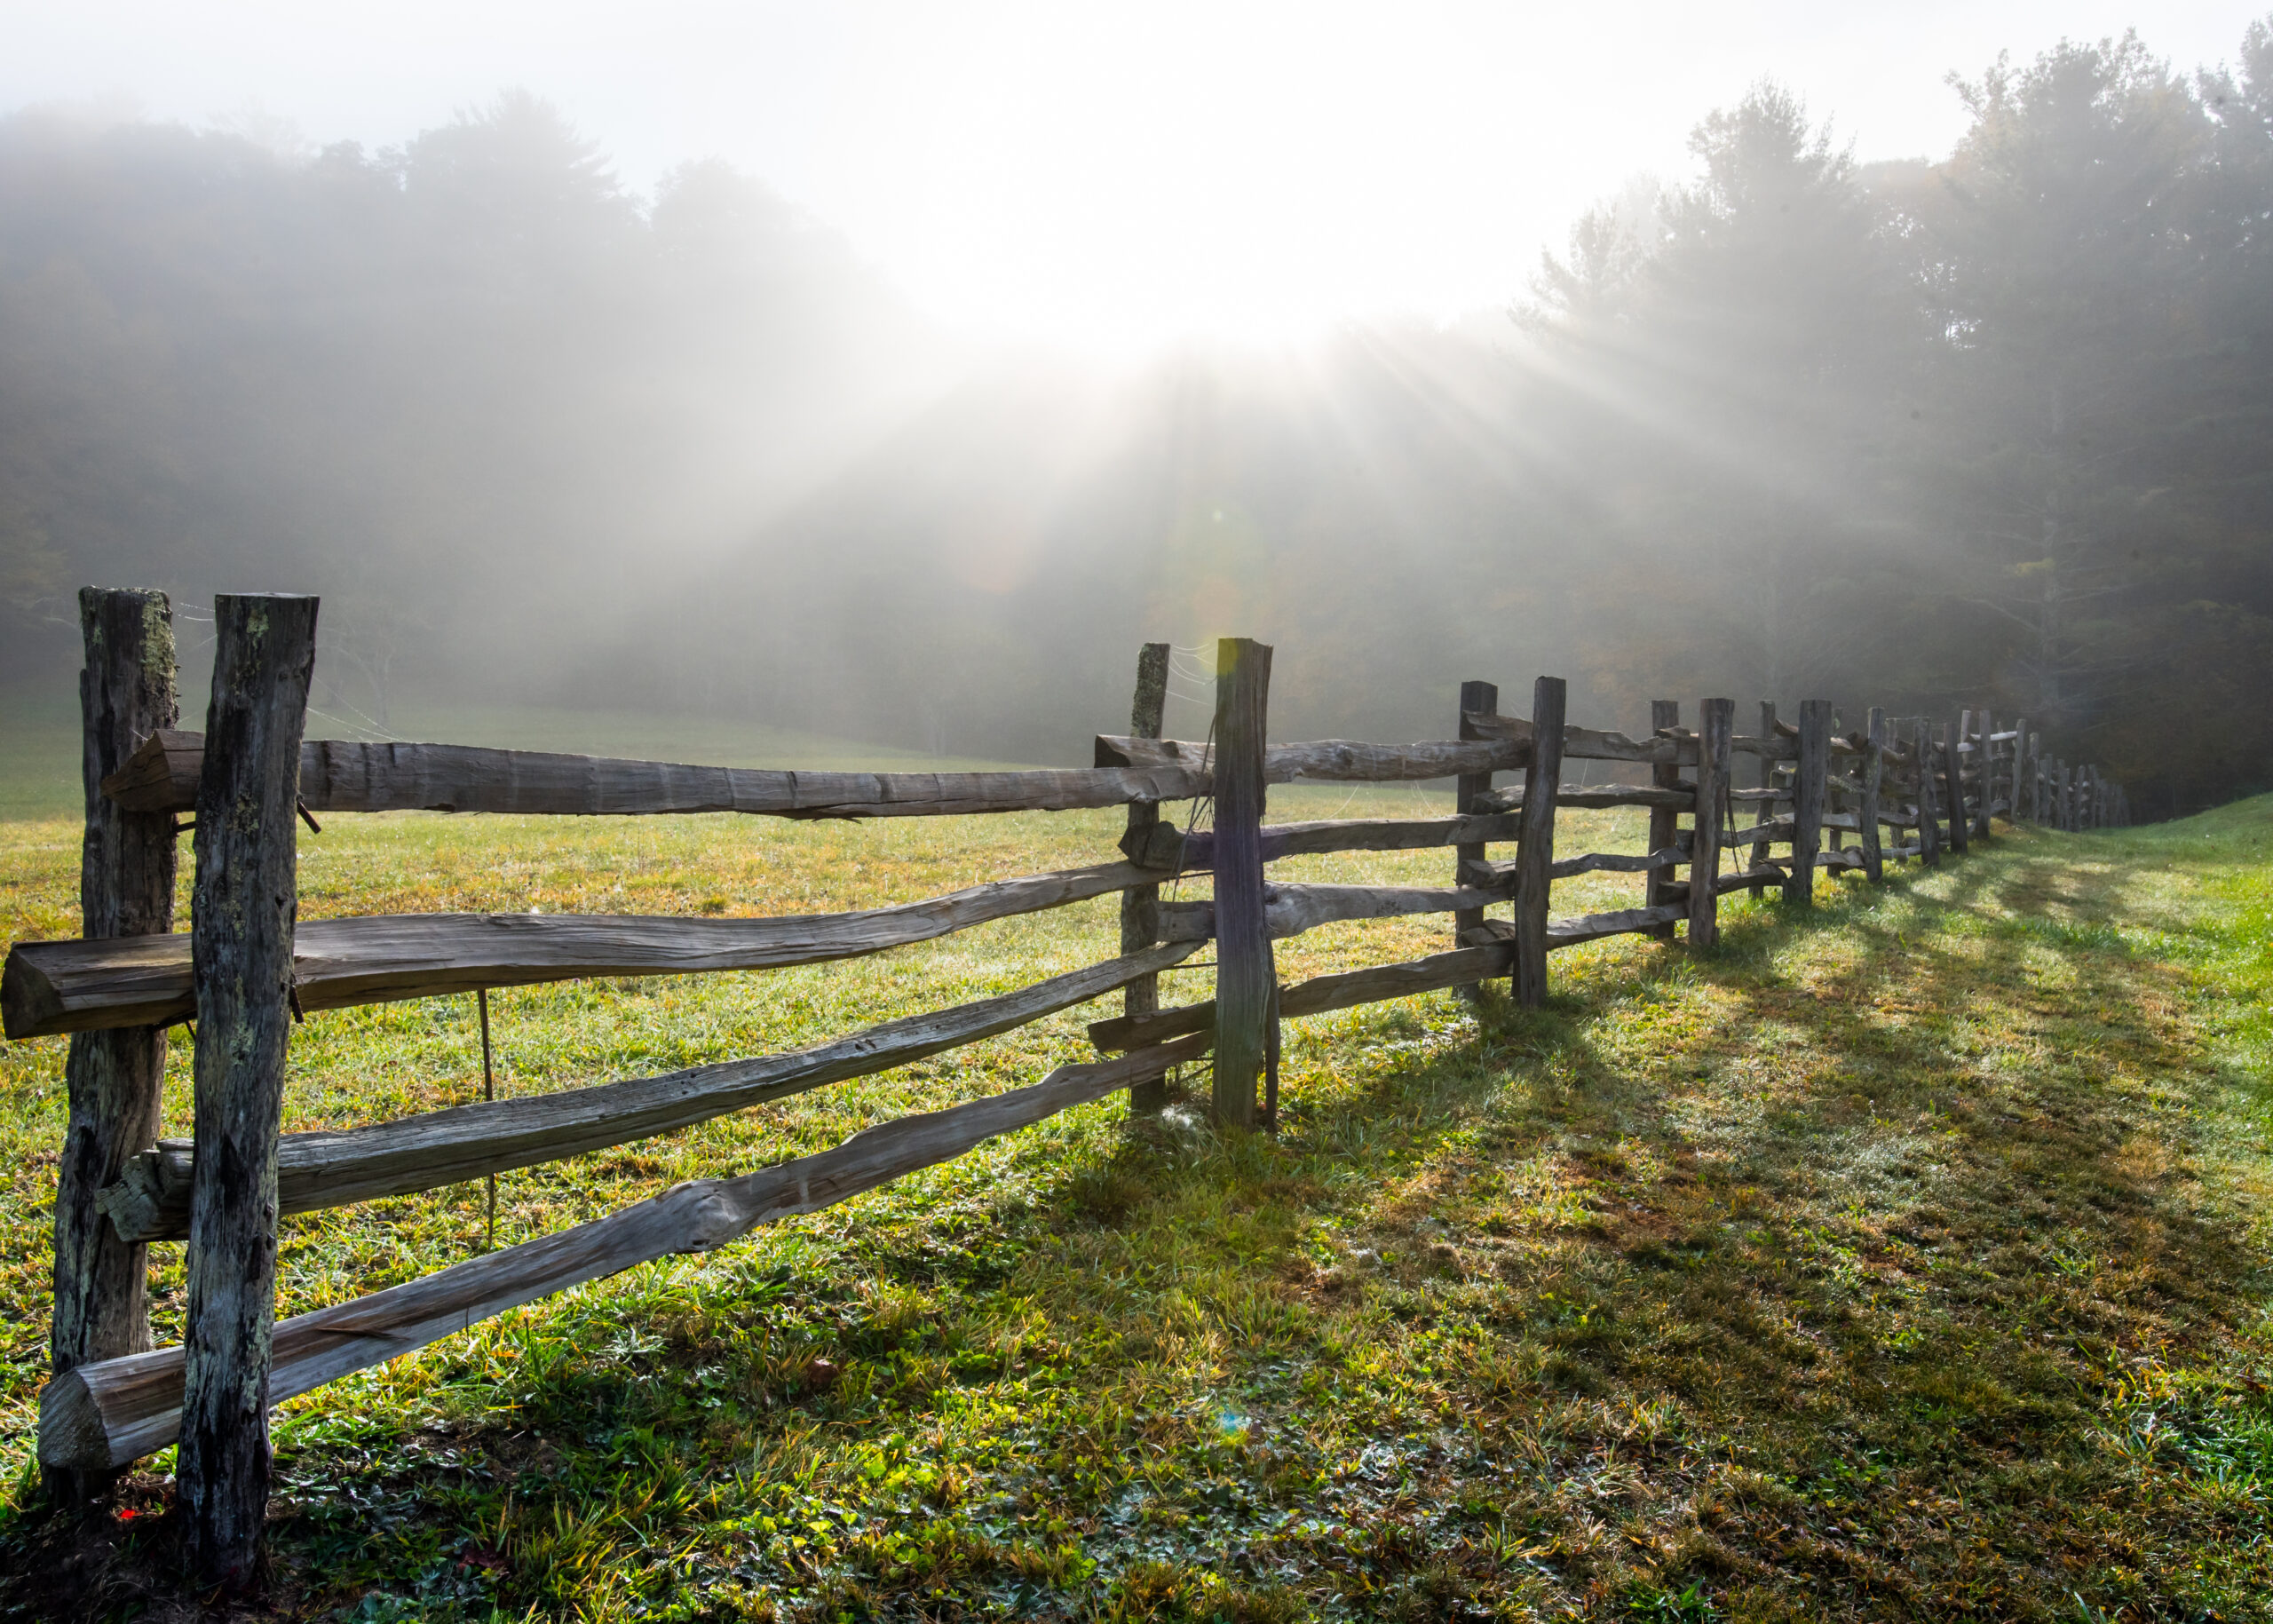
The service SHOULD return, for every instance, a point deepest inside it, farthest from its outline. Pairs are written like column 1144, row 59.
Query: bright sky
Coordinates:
column 1106, row 175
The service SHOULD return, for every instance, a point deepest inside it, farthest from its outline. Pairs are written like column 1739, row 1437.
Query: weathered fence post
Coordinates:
column 1984, row 777
column 1873, row 778
column 1476, row 699
column 1535, row 849
column 2013, row 789
column 1715, row 725
column 2036, row 778
column 1765, row 813
column 2064, row 800
column 1807, row 800
column 1832, row 838
column 1665, row 822
column 1953, row 788
column 243, row 915
column 1246, row 975
column 1140, row 904
column 112, row 1079
column 1929, row 823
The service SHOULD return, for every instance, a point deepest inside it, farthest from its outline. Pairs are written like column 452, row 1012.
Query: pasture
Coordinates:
column 1902, row 1260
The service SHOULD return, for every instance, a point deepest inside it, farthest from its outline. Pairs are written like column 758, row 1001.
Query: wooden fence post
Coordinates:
column 1960, row 734
column 1953, row 788
column 1665, row 822
column 1873, row 778
column 2012, row 791
column 1246, row 976
column 1535, row 850
column 1930, row 824
column 1985, row 774
column 1140, row 904
column 1807, row 800
column 2063, row 799
column 1476, row 699
column 112, row 1079
column 1766, row 810
column 242, row 923
column 1715, row 725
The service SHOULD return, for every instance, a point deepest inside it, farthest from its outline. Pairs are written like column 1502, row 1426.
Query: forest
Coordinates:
column 1995, row 430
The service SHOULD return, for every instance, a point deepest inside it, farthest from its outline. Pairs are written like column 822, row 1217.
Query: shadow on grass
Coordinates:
column 1882, row 1263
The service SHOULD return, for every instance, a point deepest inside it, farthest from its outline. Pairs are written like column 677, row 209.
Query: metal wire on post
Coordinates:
column 488, row 1092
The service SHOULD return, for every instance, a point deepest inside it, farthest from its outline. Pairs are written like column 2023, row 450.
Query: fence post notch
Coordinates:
column 1246, row 975
column 243, row 910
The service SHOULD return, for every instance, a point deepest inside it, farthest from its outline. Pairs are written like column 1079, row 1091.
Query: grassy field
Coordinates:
column 1902, row 1260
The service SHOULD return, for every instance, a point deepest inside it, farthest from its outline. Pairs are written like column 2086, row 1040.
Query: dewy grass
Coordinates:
column 1904, row 1259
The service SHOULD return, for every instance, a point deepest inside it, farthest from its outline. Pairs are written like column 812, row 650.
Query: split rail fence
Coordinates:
column 1818, row 799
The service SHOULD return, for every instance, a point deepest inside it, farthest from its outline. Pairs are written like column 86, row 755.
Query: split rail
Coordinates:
column 1820, row 800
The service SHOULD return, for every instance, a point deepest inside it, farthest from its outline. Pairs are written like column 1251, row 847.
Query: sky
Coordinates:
column 1106, row 177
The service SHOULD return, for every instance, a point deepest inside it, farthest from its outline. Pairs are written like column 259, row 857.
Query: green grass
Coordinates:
column 1903, row 1259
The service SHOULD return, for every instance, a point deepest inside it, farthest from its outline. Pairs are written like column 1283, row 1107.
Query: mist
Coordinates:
column 1992, row 428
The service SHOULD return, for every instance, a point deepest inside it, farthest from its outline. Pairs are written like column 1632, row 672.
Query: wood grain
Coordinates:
column 340, row 775
column 1715, row 727
column 1290, row 910
column 1873, row 779
column 1673, row 798
column 1246, row 975
column 111, row 1080
column 1477, row 699
column 1194, row 852
column 1535, row 851
column 243, row 910
column 1333, row 760
column 68, row 986
column 1140, row 904
column 1808, row 790
column 1665, row 716
column 1953, row 791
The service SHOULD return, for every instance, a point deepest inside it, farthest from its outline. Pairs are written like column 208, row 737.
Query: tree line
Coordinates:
column 1991, row 430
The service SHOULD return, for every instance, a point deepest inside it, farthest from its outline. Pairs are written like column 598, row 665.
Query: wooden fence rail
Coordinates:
column 245, row 974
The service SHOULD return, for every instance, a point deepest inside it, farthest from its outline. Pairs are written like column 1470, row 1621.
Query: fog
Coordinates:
column 1989, row 427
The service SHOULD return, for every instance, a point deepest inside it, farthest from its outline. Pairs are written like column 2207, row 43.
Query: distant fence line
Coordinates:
column 244, row 972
